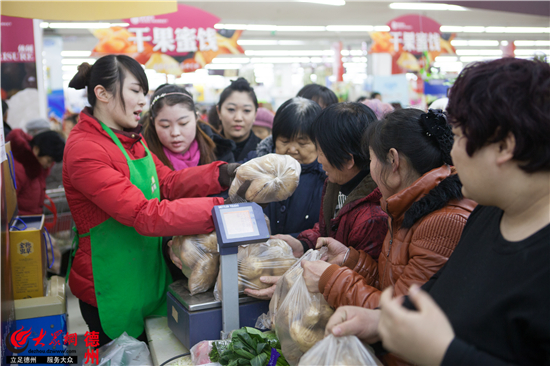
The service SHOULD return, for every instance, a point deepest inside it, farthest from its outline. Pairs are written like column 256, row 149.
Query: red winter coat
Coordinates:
column 360, row 223
column 97, row 185
column 30, row 176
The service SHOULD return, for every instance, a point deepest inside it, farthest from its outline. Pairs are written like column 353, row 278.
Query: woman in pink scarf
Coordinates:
column 173, row 132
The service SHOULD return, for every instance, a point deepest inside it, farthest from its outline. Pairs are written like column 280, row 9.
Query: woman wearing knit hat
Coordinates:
column 263, row 124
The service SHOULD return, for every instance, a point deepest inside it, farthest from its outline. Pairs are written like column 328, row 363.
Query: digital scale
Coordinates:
column 201, row 317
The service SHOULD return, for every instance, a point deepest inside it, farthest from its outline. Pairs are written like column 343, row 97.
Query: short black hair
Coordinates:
column 338, row 132
column 374, row 95
column 294, row 118
column 319, row 94
column 491, row 99
column 239, row 85
column 50, row 143
column 406, row 131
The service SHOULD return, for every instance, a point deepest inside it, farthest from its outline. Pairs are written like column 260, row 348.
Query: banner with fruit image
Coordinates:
column 173, row 43
column 413, row 41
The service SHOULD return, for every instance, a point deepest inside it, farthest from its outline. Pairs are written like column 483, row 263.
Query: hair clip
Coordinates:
column 160, row 96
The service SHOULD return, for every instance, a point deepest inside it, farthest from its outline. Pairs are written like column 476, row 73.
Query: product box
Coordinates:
column 28, row 257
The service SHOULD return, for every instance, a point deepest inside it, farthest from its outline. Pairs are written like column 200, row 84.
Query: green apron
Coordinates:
column 130, row 275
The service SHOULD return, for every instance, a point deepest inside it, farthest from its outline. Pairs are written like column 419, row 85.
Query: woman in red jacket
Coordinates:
column 123, row 199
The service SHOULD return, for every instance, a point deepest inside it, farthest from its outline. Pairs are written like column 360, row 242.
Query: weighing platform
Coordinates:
column 201, row 317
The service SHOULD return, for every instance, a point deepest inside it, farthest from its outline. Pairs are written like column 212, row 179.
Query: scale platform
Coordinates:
column 199, row 317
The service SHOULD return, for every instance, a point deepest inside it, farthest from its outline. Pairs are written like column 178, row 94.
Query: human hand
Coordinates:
column 295, row 244
column 312, row 273
column 266, row 293
column 174, row 258
column 336, row 250
column 227, row 173
column 422, row 336
column 353, row 320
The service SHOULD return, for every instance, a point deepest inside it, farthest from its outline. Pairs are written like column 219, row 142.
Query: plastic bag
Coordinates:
column 272, row 258
column 200, row 258
column 200, row 353
column 125, row 351
column 341, row 351
column 274, row 178
column 300, row 320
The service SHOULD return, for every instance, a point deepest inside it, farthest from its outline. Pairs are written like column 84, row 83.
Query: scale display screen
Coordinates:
column 239, row 222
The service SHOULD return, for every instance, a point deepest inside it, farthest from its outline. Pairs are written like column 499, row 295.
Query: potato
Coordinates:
column 305, row 337
column 274, row 178
column 251, row 267
column 204, row 274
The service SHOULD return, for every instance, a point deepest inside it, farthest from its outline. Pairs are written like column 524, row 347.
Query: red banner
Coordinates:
column 183, row 41
column 414, row 41
column 17, row 40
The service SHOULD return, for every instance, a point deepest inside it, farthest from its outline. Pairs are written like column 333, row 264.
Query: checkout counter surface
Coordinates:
column 163, row 344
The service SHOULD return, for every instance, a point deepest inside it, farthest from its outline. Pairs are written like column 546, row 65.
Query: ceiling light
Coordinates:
column 75, row 25
column 280, row 60
column 456, row 42
column 261, row 27
column 458, row 29
column 76, row 53
column 230, row 26
column 231, row 60
column 253, row 42
column 381, row 28
column 324, row 2
column 476, row 58
column 77, row 61
column 72, row 68
column 289, row 53
column 446, row 59
column 300, row 28
column 423, row 6
column 532, row 43
column 350, row 28
column 479, row 52
column 223, row 66
column 531, row 52
column 290, row 43
column 504, row 43
column 517, row 30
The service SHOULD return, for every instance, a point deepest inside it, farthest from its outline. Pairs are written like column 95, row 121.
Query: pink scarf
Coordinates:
column 188, row 159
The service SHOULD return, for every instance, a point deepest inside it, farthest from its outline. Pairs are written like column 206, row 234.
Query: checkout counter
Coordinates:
column 192, row 319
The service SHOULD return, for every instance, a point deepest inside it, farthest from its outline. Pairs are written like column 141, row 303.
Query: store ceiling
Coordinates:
column 354, row 12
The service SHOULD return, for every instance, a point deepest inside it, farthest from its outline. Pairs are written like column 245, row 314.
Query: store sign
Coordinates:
column 173, row 43
column 413, row 41
column 17, row 40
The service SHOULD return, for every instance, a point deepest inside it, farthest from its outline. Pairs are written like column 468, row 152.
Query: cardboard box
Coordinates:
column 28, row 257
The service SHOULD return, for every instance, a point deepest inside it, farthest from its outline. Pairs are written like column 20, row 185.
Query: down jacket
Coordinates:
column 97, row 186
column 360, row 223
column 30, row 176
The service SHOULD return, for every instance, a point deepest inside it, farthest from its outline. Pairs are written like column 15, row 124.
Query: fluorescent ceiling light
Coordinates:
column 456, row 42
column 532, row 43
column 300, row 28
column 290, row 43
column 253, row 42
column 458, row 29
column 289, row 53
column 476, row 58
column 531, row 52
column 231, row 60
column 517, row 30
column 76, row 53
column 71, row 68
column 479, row 52
column 324, row 2
column 223, row 66
column 423, row 6
column 75, row 25
column 351, row 53
column 230, row 26
column 261, row 27
column 77, row 61
column 381, row 28
column 350, row 28
column 446, row 59
column 280, row 60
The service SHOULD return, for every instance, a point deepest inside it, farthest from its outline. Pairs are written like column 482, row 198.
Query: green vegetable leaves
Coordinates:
column 248, row 347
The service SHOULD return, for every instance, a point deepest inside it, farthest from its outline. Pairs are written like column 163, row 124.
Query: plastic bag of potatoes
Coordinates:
column 272, row 258
column 200, row 258
column 274, row 178
column 300, row 320
column 339, row 351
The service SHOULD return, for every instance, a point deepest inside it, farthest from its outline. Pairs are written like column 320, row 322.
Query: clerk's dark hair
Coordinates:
column 319, row 94
column 49, row 143
column 423, row 139
column 239, row 85
column 338, row 132
column 108, row 71
column 490, row 100
column 294, row 118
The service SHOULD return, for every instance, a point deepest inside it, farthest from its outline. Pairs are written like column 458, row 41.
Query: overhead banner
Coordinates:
column 17, row 40
column 173, row 43
column 413, row 41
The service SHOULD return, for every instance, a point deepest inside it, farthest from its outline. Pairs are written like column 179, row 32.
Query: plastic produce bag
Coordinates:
column 272, row 258
column 340, row 351
column 274, row 178
column 125, row 351
column 300, row 320
column 200, row 258
column 200, row 353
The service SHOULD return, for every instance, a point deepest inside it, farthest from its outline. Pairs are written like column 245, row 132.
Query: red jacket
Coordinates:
column 97, row 185
column 30, row 176
column 360, row 223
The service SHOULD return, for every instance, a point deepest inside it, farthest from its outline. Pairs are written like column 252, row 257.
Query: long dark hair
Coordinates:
column 158, row 101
